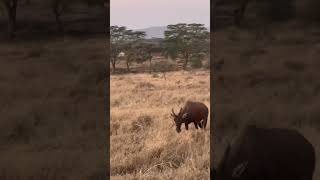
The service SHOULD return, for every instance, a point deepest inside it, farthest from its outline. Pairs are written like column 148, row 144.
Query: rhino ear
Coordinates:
column 184, row 115
column 238, row 171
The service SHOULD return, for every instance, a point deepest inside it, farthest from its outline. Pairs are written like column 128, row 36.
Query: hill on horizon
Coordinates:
column 155, row 31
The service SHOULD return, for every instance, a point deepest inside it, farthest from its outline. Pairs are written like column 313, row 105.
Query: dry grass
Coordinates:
column 276, row 88
column 51, row 96
column 144, row 145
column 51, row 109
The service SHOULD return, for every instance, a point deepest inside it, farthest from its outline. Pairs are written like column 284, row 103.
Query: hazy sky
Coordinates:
column 137, row 14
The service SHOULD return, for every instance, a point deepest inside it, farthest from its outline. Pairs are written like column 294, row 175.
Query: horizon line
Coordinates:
column 157, row 26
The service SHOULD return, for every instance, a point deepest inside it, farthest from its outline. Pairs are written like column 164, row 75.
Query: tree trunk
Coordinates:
column 186, row 57
column 11, row 7
column 128, row 67
column 113, row 62
column 185, row 64
column 150, row 65
column 113, row 65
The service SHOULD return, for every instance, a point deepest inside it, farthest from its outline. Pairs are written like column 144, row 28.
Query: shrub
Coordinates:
column 196, row 62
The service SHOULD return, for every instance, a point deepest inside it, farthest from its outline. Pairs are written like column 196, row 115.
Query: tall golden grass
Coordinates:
column 144, row 143
column 52, row 113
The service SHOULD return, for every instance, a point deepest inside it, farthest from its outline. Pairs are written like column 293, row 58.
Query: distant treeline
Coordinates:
column 10, row 8
column 190, row 42
column 265, row 10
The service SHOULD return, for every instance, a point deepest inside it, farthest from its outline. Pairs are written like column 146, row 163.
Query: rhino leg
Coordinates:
column 200, row 124
column 186, row 124
column 196, row 125
column 205, row 123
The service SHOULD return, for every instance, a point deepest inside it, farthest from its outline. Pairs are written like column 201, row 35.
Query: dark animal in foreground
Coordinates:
column 195, row 112
column 268, row 154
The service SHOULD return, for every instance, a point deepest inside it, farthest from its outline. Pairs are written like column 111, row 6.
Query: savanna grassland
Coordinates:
column 52, row 97
column 144, row 142
column 271, row 81
column 52, row 117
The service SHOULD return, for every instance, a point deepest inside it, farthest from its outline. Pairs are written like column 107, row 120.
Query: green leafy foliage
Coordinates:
column 118, row 39
column 196, row 60
column 130, row 43
column 186, row 40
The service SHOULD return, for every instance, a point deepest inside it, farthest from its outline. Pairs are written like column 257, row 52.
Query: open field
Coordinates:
column 144, row 143
column 52, row 95
column 270, row 82
column 52, row 113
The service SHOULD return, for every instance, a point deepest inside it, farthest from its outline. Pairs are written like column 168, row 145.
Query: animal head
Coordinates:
column 236, row 173
column 179, row 119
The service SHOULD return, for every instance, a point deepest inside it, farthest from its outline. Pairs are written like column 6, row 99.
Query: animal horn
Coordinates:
column 174, row 114
column 238, row 171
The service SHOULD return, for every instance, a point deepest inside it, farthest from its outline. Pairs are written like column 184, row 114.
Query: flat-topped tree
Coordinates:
column 59, row 7
column 118, row 39
column 134, row 48
column 186, row 41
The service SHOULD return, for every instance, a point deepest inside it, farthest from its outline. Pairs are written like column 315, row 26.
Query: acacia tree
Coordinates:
column 62, row 6
column 118, row 38
column 129, row 42
column 146, row 53
column 10, row 7
column 134, row 47
column 186, row 40
column 147, row 50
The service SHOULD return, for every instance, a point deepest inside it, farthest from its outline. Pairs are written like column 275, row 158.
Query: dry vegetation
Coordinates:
column 51, row 95
column 271, row 82
column 144, row 143
column 52, row 109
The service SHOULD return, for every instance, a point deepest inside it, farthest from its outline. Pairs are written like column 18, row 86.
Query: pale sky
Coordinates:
column 136, row 14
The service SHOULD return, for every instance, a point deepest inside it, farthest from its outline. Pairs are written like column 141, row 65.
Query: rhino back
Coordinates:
column 196, row 110
column 272, row 154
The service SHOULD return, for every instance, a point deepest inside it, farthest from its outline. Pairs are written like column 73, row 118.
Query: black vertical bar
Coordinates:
column 212, row 92
column 107, row 90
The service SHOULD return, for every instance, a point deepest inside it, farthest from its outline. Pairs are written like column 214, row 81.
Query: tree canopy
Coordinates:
column 186, row 41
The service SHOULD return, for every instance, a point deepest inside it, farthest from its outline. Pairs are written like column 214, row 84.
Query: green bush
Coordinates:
column 196, row 62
